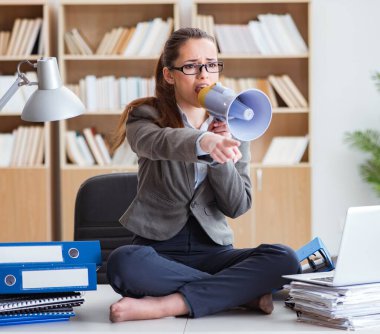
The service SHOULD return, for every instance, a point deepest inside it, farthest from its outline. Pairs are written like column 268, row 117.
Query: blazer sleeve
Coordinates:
column 149, row 140
column 231, row 184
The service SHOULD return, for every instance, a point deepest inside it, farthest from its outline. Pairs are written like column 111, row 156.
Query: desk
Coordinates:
column 92, row 317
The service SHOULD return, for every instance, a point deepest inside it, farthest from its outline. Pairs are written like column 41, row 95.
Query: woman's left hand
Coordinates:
column 220, row 128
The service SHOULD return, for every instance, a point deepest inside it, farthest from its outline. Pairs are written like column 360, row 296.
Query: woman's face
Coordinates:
column 187, row 87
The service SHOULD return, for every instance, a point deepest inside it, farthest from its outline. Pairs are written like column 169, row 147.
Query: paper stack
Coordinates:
column 348, row 307
column 41, row 281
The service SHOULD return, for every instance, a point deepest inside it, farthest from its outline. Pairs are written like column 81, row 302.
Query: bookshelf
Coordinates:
column 281, row 211
column 93, row 19
column 25, row 188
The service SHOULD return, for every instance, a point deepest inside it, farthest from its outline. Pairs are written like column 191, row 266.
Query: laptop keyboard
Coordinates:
column 324, row 279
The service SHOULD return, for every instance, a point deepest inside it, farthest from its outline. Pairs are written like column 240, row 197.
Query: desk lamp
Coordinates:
column 51, row 101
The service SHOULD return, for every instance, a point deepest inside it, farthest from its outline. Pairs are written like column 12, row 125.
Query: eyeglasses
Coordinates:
column 192, row 69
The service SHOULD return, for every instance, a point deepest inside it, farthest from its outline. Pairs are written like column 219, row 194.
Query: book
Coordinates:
column 103, row 148
column 22, row 35
column 4, row 40
column 58, row 252
column 165, row 31
column 40, row 50
column 124, row 155
column 89, row 134
column 13, row 37
column 291, row 29
column 33, row 39
column 282, row 90
column 72, row 149
column 37, row 132
column 39, row 157
column 286, row 150
column 6, row 147
column 33, row 302
column 71, row 45
column 91, row 92
column 125, row 41
column 137, row 39
column 15, row 146
column 23, row 134
column 152, row 35
column 264, row 85
column 268, row 35
column 80, row 42
column 116, row 36
column 255, row 29
column 301, row 101
column 84, row 149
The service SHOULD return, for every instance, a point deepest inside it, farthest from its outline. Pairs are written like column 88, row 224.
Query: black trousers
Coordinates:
column 210, row 277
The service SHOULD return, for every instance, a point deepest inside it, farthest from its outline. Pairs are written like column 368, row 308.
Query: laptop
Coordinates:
column 359, row 251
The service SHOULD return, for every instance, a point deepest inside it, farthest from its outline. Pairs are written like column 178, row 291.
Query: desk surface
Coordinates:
column 92, row 317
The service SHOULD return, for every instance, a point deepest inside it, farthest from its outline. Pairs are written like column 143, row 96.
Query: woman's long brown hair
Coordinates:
column 164, row 101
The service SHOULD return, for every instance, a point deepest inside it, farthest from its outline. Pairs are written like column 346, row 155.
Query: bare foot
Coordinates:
column 263, row 304
column 148, row 308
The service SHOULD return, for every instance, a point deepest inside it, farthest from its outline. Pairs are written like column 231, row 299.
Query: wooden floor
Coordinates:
column 92, row 317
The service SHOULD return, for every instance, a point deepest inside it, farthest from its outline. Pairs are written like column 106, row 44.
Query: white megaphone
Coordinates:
column 248, row 114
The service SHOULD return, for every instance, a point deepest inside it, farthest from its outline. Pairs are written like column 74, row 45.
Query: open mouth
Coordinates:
column 199, row 87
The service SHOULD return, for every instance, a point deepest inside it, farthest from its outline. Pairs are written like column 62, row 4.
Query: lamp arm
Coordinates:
column 21, row 80
column 10, row 92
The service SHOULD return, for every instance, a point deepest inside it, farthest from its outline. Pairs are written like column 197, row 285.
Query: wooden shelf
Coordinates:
column 281, row 211
column 93, row 19
column 26, row 191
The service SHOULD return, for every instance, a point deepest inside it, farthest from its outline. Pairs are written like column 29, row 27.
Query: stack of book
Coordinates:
column 23, row 147
column 42, row 282
column 286, row 150
column 88, row 148
column 108, row 93
column 281, row 89
column 346, row 307
column 24, row 39
column 270, row 34
column 145, row 39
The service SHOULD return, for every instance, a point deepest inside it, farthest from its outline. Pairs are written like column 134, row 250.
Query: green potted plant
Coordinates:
column 368, row 141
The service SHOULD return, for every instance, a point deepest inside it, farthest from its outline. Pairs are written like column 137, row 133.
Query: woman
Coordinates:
column 192, row 174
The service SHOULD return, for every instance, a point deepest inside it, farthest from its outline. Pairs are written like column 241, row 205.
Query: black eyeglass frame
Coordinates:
column 200, row 66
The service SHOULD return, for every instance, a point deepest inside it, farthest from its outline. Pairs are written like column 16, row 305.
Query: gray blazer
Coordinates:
column 166, row 196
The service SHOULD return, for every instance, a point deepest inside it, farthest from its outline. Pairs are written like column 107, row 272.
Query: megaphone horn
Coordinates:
column 248, row 114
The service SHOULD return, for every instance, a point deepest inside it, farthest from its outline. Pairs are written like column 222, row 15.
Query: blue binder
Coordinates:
column 41, row 278
column 315, row 246
column 27, row 318
column 56, row 252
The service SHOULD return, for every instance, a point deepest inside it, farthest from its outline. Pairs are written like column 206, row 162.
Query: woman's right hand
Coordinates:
column 221, row 149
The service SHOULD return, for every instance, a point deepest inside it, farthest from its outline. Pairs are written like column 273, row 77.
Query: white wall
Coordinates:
column 346, row 52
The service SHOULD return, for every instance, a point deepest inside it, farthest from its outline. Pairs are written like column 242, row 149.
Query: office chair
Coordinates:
column 101, row 200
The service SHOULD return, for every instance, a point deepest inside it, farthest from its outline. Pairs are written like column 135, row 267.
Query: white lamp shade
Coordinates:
column 52, row 105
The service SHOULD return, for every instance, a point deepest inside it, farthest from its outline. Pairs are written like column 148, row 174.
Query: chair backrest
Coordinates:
column 101, row 200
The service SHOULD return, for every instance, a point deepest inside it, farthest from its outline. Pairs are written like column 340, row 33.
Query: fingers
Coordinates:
column 221, row 149
column 238, row 155
column 225, row 150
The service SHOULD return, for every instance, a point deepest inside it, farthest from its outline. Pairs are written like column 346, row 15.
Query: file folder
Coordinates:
column 27, row 318
column 65, row 252
column 38, row 278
